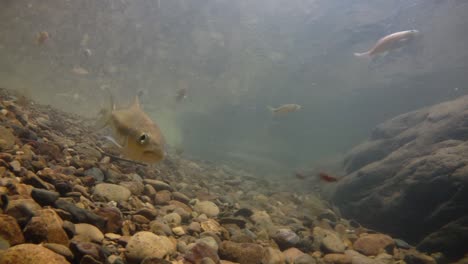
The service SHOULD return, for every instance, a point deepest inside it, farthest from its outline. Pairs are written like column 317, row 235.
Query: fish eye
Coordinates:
column 143, row 138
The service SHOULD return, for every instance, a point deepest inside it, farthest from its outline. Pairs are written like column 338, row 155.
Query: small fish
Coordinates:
column 327, row 177
column 181, row 94
column 42, row 37
column 389, row 42
column 134, row 133
column 286, row 108
column 79, row 71
column 300, row 175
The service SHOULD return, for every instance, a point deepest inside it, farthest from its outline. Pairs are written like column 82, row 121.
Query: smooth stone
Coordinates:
column 111, row 192
column 414, row 257
column 305, row 259
column 158, row 185
column 159, row 228
column 113, row 218
column 335, row 258
column 373, row 244
column 146, row 244
column 80, row 215
column 162, row 197
column 81, row 249
column 245, row 253
column 112, row 236
column 173, row 219
column 291, row 254
column 139, row 219
column 44, row 197
column 31, row 254
column 273, row 256
column 178, row 196
column 179, row 231
column 22, row 210
column 210, row 241
column 154, row 260
column 196, row 253
column 46, row 226
column 333, row 244
column 88, row 233
column 286, row 238
column 10, row 230
column 206, row 207
column 233, row 220
column 96, row 173
column 245, row 212
column 60, row 249
column 194, row 227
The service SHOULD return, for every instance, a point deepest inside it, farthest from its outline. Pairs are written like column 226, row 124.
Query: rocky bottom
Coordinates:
column 63, row 200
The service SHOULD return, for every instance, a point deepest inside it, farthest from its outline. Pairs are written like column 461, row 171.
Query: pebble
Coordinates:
column 173, row 219
column 60, row 249
column 88, row 233
column 373, row 244
column 196, row 253
column 44, row 197
column 111, row 192
column 146, row 244
column 335, row 258
column 206, row 207
column 333, row 244
column 158, row 185
column 273, row 256
column 179, row 231
column 245, row 253
column 286, row 238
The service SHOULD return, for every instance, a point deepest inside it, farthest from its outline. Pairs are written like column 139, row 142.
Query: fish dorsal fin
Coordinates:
column 136, row 102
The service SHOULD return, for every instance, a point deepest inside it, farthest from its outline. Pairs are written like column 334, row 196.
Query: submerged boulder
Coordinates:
column 410, row 178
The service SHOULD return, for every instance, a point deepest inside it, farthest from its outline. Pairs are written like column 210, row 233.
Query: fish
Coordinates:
column 181, row 94
column 79, row 71
column 389, row 42
column 300, row 175
column 134, row 133
column 42, row 37
column 286, row 108
column 327, row 177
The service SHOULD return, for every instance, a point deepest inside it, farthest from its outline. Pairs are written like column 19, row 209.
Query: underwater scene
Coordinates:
column 234, row 131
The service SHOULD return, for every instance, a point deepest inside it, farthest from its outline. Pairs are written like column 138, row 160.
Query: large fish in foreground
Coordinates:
column 389, row 42
column 136, row 135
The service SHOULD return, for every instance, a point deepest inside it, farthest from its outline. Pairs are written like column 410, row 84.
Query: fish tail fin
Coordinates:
column 271, row 109
column 363, row 54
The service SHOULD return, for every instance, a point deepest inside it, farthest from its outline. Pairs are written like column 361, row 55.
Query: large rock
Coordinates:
column 31, row 254
column 450, row 239
column 10, row 230
column 46, row 226
column 410, row 178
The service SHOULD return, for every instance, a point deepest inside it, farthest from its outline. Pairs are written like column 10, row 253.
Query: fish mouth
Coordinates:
column 151, row 155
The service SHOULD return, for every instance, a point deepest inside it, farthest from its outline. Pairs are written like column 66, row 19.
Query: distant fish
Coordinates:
column 134, row 133
column 79, row 71
column 286, row 108
column 42, row 37
column 181, row 94
column 389, row 42
column 327, row 177
column 300, row 175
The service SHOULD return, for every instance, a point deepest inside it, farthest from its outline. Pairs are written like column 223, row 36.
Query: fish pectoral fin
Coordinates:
column 113, row 141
